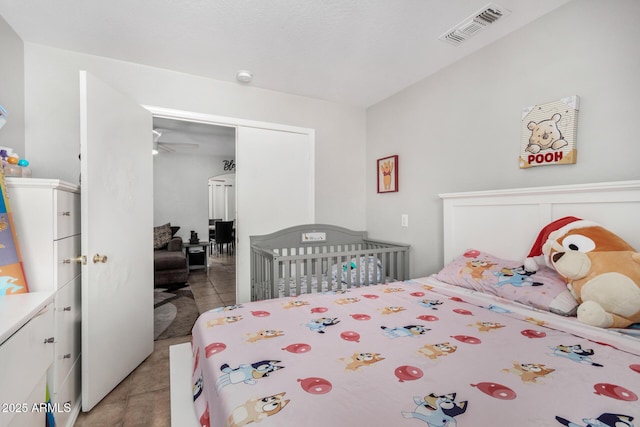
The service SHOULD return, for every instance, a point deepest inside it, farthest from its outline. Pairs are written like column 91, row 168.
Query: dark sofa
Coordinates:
column 170, row 262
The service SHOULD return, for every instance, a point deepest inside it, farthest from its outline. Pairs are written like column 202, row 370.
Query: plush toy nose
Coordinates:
column 573, row 265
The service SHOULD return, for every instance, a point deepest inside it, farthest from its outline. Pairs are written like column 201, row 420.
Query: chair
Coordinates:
column 224, row 235
column 170, row 262
column 212, row 232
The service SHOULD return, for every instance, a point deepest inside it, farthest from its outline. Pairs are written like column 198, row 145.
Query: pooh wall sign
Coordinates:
column 549, row 133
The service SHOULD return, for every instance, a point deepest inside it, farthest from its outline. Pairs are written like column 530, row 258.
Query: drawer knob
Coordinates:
column 49, row 340
column 66, row 213
column 67, row 356
column 68, row 308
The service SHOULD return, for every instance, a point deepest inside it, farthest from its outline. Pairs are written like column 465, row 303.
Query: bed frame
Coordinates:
column 300, row 258
column 471, row 220
column 505, row 223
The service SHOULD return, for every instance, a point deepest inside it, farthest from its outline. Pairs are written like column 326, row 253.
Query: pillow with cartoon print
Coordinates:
column 483, row 272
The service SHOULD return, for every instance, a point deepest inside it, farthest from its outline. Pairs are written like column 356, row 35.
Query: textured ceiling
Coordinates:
column 356, row 52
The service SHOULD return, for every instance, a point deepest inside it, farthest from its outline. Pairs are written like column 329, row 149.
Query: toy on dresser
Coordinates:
column 601, row 269
column 13, row 165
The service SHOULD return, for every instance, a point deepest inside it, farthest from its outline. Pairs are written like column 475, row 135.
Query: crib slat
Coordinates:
column 298, row 278
column 394, row 264
column 319, row 269
column 286, row 264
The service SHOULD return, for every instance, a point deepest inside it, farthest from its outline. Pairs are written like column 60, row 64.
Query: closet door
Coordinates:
column 275, row 189
column 117, row 236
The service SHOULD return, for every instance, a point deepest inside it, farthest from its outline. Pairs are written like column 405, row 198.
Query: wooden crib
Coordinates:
column 322, row 258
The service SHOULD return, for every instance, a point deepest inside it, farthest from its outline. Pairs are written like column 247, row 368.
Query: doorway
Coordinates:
column 186, row 155
column 275, row 180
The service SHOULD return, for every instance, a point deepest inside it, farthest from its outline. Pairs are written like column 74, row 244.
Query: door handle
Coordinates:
column 99, row 258
column 81, row 259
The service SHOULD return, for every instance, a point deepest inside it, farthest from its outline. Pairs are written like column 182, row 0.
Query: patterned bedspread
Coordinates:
column 407, row 354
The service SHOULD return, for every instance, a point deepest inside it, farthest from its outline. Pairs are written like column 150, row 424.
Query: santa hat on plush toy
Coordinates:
column 548, row 235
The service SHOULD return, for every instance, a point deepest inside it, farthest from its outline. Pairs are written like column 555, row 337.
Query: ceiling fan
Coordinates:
column 170, row 147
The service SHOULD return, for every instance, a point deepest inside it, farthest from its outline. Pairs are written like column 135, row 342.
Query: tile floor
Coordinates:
column 142, row 399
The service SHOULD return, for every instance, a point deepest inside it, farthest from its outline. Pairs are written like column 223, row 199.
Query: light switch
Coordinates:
column 405, row 220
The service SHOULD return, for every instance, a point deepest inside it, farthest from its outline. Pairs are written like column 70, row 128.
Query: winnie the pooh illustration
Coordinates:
column 545, row 134
column 386, row 168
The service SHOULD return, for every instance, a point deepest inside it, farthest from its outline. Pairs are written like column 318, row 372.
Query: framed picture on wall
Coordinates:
column 387, row 168
column 549, row 133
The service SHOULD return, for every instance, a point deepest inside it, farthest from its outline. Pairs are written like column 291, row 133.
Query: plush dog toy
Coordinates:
column 601, row 269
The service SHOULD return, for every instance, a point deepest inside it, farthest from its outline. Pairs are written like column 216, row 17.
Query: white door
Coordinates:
column 275, row 189
column 117, row 235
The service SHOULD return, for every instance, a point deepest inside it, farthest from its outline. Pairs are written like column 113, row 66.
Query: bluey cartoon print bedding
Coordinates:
column 408, row 354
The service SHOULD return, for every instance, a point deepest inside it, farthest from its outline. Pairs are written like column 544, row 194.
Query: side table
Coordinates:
column 204, row 246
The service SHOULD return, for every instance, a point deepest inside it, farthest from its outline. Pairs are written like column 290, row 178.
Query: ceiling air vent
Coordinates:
column 476, row 22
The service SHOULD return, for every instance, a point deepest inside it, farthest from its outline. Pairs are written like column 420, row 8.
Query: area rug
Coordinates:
column 174, row 313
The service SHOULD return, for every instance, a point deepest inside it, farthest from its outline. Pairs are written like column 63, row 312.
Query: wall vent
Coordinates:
column 476, row 22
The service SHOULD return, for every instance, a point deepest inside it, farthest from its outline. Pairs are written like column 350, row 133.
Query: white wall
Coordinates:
column 459, row 130
column 181, row 191
column 52, row 134
column 12, row 88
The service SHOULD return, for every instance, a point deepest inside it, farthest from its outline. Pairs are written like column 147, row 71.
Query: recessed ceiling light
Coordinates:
column 244, row 76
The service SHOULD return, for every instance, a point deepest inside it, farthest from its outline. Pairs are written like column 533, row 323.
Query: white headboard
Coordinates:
column 505, row 223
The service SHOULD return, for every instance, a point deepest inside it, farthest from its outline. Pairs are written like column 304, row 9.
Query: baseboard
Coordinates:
column 182, row 410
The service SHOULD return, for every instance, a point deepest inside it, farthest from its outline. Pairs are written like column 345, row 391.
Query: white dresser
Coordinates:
column 46, row 216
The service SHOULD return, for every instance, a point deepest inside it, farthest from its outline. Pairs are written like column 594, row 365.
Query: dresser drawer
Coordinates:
column 26, row 356
column 67, row 399
column 67, row 326
column 65, row 252
column 35, row 415
column 67, row 211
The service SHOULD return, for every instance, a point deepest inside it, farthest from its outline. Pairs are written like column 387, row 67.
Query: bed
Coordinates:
column 319, row 258
column 423, row 351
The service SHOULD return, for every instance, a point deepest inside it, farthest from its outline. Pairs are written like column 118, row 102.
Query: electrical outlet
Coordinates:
column 405, row 220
